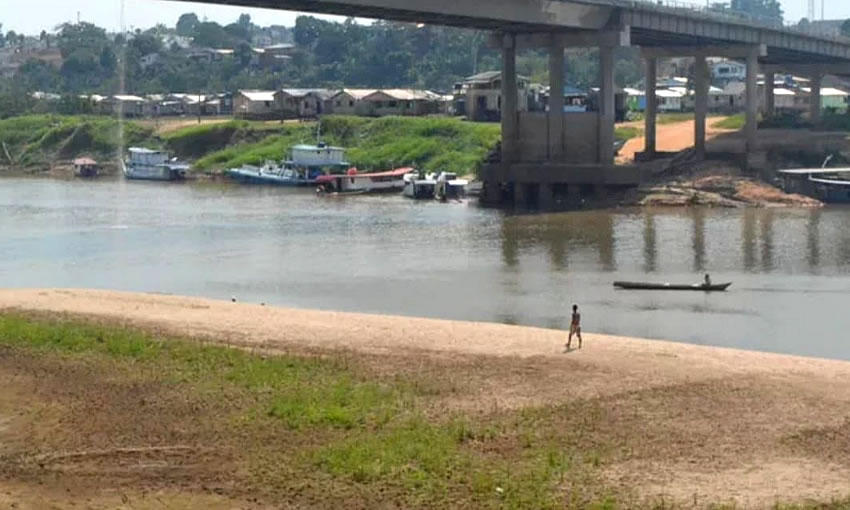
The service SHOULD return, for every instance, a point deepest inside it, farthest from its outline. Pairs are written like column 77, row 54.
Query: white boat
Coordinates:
column 355, row 183
column 449, row 187
column 305, row 164
column 419, row 186
column 152, row 165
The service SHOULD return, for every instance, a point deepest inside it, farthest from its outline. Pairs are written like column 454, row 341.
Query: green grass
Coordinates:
column 373, row 144
column 736, row 122
column 627, row 133
column 329, row 425
column 38, row 139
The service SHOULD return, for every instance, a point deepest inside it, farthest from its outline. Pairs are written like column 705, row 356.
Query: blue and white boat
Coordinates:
column 152, row 165
column 830, row 185
column 303, row 168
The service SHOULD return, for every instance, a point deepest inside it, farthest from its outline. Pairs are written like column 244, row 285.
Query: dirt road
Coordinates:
column 673, row 137
column 695, row 422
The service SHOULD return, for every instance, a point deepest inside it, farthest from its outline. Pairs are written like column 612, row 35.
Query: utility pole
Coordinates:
column 812, row 13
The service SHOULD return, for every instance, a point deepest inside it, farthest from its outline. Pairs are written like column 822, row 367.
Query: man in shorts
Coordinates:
column 575, row 328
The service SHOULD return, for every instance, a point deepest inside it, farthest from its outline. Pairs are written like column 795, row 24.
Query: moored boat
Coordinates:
column 714, row 287
column 152, row 165
column 85, row 167
column 419, row 186
column 305, row 164
column 449, row 187
column 356, row 183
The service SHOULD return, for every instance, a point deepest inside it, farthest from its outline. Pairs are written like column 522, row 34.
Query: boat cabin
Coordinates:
column 147, row 157
column 85, row 167
column 321, row 155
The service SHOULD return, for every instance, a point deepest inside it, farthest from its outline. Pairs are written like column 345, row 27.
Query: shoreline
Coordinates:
column 272, row 327
column 679, row 422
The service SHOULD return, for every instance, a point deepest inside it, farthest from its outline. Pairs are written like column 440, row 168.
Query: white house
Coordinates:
column 728, row 70
column 483, row 93
column 669, row 101
column 350, row 101
column 256, row 104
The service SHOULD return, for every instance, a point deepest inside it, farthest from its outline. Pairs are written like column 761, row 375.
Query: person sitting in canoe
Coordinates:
column 707, row 282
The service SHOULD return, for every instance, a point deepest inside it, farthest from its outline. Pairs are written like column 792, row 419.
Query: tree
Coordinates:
column 187, row 23
column 761, row 10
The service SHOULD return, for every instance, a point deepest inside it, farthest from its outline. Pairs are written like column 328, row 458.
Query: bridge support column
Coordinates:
column 520, row 195
column 606, row 105
column 752, row 101
column 509, row 99
column 556, row 101
column 546, row 196
column 815, row 107
column 769, row 95
column 700, row 105
column 651, row 106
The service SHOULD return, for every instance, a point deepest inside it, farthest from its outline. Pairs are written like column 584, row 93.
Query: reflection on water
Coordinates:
column 790, row 268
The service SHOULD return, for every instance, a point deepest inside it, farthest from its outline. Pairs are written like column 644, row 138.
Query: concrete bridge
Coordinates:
column 555, row 153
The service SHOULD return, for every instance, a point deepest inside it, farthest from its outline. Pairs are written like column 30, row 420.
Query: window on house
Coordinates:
column 339, row 103
column 351, row 104
column 268, row 104
column 393, row 104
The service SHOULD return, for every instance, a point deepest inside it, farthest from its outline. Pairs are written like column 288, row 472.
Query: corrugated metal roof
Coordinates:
column 258, row 95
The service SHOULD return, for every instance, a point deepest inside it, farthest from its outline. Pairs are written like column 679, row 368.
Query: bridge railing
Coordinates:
column 713, row 14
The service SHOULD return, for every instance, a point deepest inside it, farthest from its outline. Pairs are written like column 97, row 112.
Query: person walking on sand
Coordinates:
column 575, row 328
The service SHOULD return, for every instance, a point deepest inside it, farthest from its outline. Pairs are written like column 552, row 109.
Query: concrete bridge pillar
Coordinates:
column 700, row 105
column 769, row 95
column 815, row 98
column 752, row 101
column 556, row 100
column 651, row 111
column 510, row 95
column 606, row 105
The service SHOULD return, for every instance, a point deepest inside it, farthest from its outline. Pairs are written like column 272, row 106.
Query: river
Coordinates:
column 382, row 254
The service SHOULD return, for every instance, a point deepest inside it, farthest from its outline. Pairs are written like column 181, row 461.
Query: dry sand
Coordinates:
column 716, row 424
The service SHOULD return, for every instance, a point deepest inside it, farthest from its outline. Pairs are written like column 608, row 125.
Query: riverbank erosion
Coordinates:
column 116, row 398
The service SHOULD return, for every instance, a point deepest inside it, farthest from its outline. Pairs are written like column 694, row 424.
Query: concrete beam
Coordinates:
column 651, row 64
column 752, row 103
column 815, row 98
column 556, row 102
column 700, row 105
column 573, row 39
column 489, row 14
column 808, row 69
column 606, row 105
column 727, row 51
column 510, row 93
column 769, row 95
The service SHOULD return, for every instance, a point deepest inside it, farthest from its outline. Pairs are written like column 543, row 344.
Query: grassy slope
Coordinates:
column 322, row 429
column 40, row 139
column 428, row 143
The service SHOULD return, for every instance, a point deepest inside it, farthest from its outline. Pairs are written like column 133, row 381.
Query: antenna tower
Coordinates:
column 812, row 13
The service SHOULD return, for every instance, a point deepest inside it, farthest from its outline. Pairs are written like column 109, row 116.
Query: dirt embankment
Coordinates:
column 696, row 425
column 719, row 187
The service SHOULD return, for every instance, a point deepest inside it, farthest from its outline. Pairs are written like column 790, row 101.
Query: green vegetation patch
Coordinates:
column 736, row 122
column 431, row 144
column 39, row 139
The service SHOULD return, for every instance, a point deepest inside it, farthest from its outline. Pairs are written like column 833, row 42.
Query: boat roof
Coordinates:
column 84, row 162
column 398, row 172
column 306, row 147
column 142, row 150
column 804, row 171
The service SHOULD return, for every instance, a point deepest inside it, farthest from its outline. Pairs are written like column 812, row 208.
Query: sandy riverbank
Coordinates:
column 722, row 424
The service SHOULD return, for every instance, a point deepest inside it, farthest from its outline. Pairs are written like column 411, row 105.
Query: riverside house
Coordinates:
column 254, row 104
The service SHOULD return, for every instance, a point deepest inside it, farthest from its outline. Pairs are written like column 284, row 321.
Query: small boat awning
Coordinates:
column 84, row 162
column 806, row 171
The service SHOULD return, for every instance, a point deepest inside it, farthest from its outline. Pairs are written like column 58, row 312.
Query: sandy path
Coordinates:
column 649, row 361
column 723, row 424
column 669, row 138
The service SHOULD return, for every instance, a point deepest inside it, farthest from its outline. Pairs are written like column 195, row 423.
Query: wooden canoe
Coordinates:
column 716, row 287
